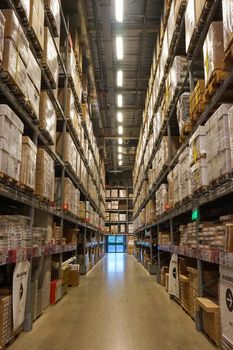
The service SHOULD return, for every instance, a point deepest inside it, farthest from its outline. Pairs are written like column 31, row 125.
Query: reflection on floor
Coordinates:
column 117, row 306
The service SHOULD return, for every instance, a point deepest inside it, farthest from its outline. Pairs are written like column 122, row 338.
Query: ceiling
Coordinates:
column 139, row 30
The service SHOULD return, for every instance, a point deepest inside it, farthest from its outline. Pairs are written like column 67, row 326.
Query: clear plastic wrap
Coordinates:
column 227, row 9
column 162, row 199
column 44, row 175
column 15, row 33
column 213, row 50
column 32, row 97
column 69, row 106
column 185, row 183
column 47, row 116
column 199, row 175
column 183, row 116
column 28, row 163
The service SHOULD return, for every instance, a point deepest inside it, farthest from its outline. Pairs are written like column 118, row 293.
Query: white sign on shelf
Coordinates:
column 173, row 287
column 226, row 302
column 20, row 281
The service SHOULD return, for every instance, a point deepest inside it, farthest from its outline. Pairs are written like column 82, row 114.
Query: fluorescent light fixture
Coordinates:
column 119, row 10
column 119, row 149
column 120, row 141
column 119, row 101
column 120, row 162
column 120, row 156
column 119, row 48
column 120, row 129
column 120, row 78
column 120, row 117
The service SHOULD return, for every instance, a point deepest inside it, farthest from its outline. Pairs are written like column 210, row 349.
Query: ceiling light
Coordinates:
column 119, row 149
column 119, row 10
column 119, row 48
column 120, row 141
column 119, row 101
column 120, row 78
column 120, row 129
column 120, row 156
column 120, row 162
column 120, row 117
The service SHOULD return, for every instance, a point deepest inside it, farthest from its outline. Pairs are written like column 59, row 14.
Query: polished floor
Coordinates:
column 117, row 306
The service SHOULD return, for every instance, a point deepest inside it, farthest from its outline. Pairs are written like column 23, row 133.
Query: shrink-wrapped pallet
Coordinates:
column 33, row 70
column 199, row 175
column 14, row 67
column 14, row 31
column 73, row 73
column 227, row 9
column 44, row 175
column 213, row 50
column 11, row 130
column 69, row 107
column 32, row 98
column 53, row 9
column 192, row 16
column 2, row 26
column 185, row 184
column 36, row 20
column 71, row 196
column 47, row 117
column 50, row 59
column 162, row 199
column 177, row 73
column 150, row 211
column 66, row 149
column 82, row 210
column 183, row 116
column 198, row 145
column 28, row 163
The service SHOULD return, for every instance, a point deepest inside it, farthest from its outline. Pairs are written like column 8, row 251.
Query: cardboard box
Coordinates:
column 192, row 15
column 36, row 20
column 32, row 97
column 69, row 152
column 227, row 9
column 47, row 117
column 213, row 50
column 114, row 193
column 44, row 175
column 15, row 33
column 69, row 107
column 73, row 280
column 28, row 163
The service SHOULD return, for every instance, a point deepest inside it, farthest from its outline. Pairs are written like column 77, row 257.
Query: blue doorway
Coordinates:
column 115, row 244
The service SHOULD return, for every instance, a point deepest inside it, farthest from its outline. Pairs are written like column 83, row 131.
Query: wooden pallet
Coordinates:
column 7, row 180
column 185, row 131
column 25, row 189
column 47, row 135
column 221, row 180
column 22, row 14
column 217, row 77
column 52, row 21
column 49, row 75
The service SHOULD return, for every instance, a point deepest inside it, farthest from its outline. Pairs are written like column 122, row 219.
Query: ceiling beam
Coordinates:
column 125, row 28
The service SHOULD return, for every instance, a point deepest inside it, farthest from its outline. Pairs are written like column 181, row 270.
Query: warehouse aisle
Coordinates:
column 117, row 306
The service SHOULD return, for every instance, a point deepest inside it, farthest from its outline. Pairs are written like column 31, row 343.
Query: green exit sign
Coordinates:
column 195, row 214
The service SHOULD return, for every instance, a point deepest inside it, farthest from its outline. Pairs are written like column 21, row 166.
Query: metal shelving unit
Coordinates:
column 211, row 203
column 28, row 203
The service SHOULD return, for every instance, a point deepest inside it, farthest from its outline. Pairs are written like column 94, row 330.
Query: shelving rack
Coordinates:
column 210, row 203
column 125, row 206
column 22, row 203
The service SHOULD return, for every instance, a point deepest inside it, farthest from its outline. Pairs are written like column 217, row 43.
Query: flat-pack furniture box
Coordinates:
column 28, row 163
column 122, row 193
column 69, row 107
column 50, row 59
column 213, row 50
column 122, row 217
column 44, row 175
column 227, row 9
column 32, row 98
column 14, row 31
column 47, row 117
column 2, row 26
column 114, row 193
column 36, row 20
column 11, row 130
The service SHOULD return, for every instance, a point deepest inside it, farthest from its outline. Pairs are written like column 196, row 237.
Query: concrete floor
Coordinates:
column 117, row 306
